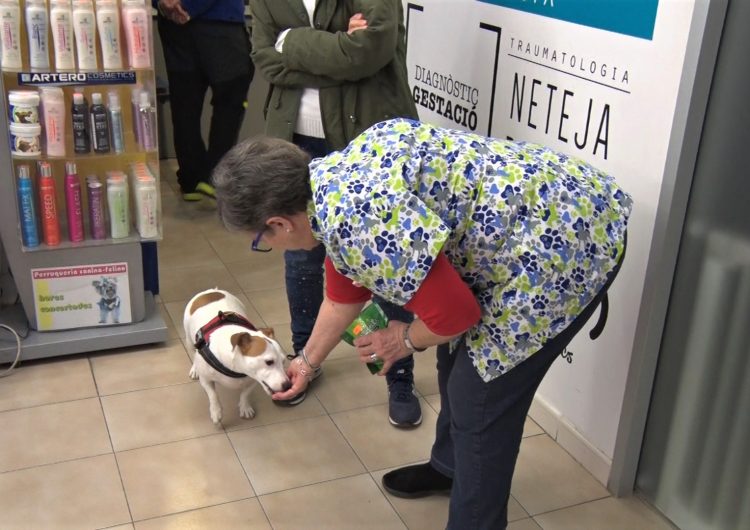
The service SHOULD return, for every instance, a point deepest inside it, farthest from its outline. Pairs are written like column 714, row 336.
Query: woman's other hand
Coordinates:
column 387, row 344
column 356, row 23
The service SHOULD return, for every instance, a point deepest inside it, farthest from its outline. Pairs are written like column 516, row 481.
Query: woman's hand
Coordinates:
column 356, row 23
column 300, row 376
column 387, row 344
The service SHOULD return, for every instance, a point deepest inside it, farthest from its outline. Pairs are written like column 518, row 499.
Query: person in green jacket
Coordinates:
column 334, row 69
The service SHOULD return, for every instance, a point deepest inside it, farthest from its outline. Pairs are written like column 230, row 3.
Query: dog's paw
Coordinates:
column 246, row 411
column 215, row 414
column 193, row 374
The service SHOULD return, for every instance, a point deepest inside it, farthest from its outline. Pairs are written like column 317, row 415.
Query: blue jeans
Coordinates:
column 304, row 285
column 480, row 426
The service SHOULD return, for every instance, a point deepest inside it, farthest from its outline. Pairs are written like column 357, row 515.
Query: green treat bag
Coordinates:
column 370, row 319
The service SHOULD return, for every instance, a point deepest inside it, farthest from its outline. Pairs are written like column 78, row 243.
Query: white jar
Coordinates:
column 23, row 106
column 25, row 139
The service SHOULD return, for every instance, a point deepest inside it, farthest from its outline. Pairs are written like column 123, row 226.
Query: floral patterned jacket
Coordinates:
column 532, row 232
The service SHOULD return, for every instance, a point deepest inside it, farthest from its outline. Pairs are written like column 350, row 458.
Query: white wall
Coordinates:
column 635, row 100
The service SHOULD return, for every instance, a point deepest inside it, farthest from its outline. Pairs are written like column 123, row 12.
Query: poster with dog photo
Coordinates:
column 81, row 296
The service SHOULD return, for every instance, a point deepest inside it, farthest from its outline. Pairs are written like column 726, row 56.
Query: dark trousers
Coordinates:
column 480, row 427
column 199, row 55
column 304, row 285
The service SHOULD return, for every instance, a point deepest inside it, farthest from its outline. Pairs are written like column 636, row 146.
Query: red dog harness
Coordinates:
column 203, row 336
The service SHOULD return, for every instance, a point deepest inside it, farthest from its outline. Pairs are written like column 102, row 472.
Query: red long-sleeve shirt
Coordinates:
column 443, row 302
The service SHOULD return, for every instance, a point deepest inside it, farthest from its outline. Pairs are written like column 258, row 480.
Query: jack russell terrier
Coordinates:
column 230, row 351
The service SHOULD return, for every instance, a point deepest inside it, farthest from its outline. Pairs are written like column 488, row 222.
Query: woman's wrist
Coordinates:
column 307, row 361
column 304, row 369
column 410, row 347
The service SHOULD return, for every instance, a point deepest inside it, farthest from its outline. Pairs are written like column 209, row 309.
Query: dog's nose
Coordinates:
column 286, row 386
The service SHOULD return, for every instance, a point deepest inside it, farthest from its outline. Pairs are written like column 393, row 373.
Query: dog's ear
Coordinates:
column 249, row 345
column 268, row 332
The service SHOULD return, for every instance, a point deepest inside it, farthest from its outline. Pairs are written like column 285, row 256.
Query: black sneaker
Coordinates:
column 420, row 480
column 299, row 398
column 403, row 405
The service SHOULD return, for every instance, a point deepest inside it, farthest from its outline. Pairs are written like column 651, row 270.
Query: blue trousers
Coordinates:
column 304, row 285
column 480, row 426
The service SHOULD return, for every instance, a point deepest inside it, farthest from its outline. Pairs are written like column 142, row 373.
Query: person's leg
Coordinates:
column 403, row 404
column 187, row 90
column 304, row 276
column 304, row 291
column 229, row 101
column 484, row 422
column 229, row 78
column 435, row 475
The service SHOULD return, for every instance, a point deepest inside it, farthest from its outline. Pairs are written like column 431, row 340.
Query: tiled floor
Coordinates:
column 122, row 439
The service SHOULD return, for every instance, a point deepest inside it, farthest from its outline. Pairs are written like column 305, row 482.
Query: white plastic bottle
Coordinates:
column 37, row 28
column 135, row 18
column 53, row 108
column 61, row 22
column 84, row 27
column 10, row 18
column 119, row 205
column 108, row 22
column 147, row 117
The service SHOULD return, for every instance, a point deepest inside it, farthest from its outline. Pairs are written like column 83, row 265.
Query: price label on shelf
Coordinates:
column 81, row 296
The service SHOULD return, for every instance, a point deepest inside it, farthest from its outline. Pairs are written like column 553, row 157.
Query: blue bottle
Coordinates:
column 29, row 232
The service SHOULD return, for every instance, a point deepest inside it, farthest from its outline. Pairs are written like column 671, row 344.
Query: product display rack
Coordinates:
column 145, row 323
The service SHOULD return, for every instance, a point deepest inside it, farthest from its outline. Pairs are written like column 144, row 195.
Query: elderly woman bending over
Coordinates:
column 502, row 250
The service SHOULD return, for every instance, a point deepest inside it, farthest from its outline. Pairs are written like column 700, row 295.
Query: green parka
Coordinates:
column 362, row 78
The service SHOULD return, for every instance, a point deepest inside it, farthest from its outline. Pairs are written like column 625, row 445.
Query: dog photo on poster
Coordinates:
column 81, row 296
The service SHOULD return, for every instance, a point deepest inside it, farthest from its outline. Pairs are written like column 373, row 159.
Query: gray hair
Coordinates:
column 260, row 178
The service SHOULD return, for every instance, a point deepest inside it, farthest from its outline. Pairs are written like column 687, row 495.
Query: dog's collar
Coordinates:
column 203, row 336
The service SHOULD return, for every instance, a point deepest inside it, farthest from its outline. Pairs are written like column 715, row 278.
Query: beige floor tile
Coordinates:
column 159, row 415
column 47, row 381
column 547, row 478
column 171, row 330
column 293, row 454
column 128, row 526
column 170, row 478
column 379, row 444
column 257, row 275
column 271, row 304
column 182, row 284
column 234, row 515
column 610, row 513
column 52, row 433
column 212, row 228
column 434, row 401
column 83, row 493
column 234, row 247
column 530, row 428
column 177, row 224
column 529, row 524
column 344, row 504
column 266, row 411
column 177, row 253
column 149, row 366
column 432, row 512
column 348, row 384
column 425, row 372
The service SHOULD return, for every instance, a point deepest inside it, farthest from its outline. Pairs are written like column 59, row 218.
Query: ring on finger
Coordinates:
column 373, row 357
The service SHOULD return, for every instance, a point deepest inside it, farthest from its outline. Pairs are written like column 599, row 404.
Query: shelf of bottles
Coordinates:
column 79, row 86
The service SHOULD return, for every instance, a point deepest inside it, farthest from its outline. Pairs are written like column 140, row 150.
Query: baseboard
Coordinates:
column 566, row 435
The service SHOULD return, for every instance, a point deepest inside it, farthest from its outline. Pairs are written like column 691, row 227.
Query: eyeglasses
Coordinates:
column 255, row 247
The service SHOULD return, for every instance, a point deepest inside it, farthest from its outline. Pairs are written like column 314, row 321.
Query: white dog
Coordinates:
column 230, row 351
